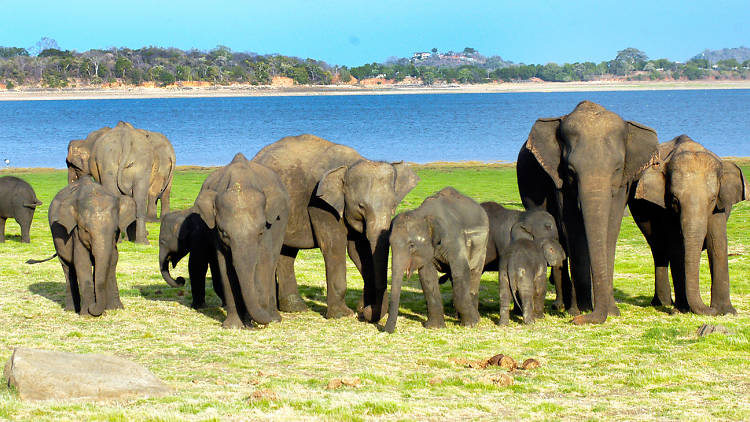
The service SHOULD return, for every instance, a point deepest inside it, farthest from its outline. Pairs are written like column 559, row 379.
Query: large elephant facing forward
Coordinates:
column 339, row 201
column 681, row 205
column 580, row 167
column 128, row 161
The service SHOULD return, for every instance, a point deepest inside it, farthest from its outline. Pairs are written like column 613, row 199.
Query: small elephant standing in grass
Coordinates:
column 447, row 233
column 84, row 218
column 246, row 208
column 17, row 201
column 681, row 204
column 184, row 232
column 522, row 274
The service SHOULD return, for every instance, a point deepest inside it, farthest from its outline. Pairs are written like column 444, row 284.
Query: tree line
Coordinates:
column 55, row 68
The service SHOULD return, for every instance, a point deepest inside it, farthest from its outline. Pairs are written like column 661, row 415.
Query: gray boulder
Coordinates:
column 44, row 375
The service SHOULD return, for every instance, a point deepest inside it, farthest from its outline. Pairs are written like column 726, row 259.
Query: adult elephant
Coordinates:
column 340, row 201
column 246, row 207
column 681, row 205
column 581, row 167
column 128, row 161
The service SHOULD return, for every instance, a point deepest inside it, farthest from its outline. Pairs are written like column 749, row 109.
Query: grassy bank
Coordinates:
column 645, row 364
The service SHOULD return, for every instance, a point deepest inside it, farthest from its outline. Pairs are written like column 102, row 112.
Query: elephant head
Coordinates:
column 241, row 219
column 413, row 240
column 539, row 223
column 366, row 195
column 77, row 159
column 592, row 156
column 93, row 213
column 172, row 236
column 692, row 183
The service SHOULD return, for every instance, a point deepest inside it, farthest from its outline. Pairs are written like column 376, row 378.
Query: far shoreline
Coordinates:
column 99, row 93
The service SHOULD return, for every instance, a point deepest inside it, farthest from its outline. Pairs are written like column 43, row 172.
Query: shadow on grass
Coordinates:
column 13, row 237
column 640, row 301
column 182, row 295
column 55, row 292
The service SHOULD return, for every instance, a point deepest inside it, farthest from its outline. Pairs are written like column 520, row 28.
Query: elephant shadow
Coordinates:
column 13, row 237
column 53, row 291
column 183, row 296
column 640, row 301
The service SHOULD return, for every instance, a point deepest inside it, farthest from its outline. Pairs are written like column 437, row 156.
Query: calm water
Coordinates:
column 418, row 128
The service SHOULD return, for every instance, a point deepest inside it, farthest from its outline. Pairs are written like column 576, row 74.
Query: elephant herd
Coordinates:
column 576, row 174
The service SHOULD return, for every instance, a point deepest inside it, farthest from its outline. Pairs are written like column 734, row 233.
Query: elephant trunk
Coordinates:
column 72, row 175
column 164, row 259
column 595, row 207
column 377, row 232
column 245, row 266
column 400, row 264
column 694, row 234
column 102, row 252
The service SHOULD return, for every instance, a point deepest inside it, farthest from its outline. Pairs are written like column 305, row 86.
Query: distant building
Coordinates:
column 422, row 55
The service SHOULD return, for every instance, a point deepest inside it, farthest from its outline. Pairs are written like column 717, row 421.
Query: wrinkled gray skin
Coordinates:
column 340, row 202
column 681, row 204
column 17, row 201
column 447, row 233
column 83, row 218
column 580, row 167
column 128, row 161
column 246, row 207
column 181, row 233
column 522, row 274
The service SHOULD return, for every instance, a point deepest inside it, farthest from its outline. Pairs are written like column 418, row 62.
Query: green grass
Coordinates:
column 642, row 365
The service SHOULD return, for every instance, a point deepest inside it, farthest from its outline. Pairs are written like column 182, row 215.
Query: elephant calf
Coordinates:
column 17, row 201
column 84, row 218
column 447, row 233
column 522, row 274
column 184, row 232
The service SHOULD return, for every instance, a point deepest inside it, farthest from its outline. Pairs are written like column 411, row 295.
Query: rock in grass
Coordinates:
column 707, row 329
column 45, row 374
column 530, row 364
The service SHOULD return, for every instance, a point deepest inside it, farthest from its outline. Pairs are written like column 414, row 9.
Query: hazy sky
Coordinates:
column 356, row 32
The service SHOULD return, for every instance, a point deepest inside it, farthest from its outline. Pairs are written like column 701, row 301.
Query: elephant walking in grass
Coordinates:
column 18, row 201
column 447, row 233
column 84, row 218
column 681, row 204
column 581, row 168
column 127, row 161
column 340, row 202
column 246, row 208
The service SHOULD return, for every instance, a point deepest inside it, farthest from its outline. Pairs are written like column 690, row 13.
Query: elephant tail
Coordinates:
column 32, row 205
column 37, row 261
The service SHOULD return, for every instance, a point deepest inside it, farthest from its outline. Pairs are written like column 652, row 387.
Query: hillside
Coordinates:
column 740, row 54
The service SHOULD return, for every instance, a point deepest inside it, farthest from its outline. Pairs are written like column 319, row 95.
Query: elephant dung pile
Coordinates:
column 501, row 360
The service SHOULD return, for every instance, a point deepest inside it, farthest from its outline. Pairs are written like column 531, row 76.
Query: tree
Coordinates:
column 628, row 60
column 122, row 66
column 469, row 50
column 8, row 52
column 434, row 50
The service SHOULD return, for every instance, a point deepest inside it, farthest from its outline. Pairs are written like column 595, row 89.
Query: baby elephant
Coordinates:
column 447, row 233
column 184, row 232
column 522, row 273
column 18, row 201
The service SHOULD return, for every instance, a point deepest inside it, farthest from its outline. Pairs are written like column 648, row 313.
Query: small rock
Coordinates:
column 502, row 380
column 508, row 363
column 195, row 381
column 265, row 394
column 707, row 329
column 435, row 380
column 351, row 382
column 530, row 364
column 334, row 384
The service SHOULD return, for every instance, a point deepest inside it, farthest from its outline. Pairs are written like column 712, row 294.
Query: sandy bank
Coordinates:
column 269, row 91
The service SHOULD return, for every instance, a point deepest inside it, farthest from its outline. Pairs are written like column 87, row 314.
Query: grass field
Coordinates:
column 643, row 365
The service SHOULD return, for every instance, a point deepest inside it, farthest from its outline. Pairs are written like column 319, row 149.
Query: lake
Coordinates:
column 416, row 128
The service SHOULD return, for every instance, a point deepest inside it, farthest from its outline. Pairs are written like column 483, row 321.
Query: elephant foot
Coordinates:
column 502, row 322
column 573, row 311
column 591, row 318
column 613, row 309
column 558, row 305
column 470, row 321
column 434, row 323
column 198, row 305
column 657, row 302
column 233, row 322
column 725, row 309
column 704, row 310
column 116, row 305
column 292, row 303
column 338, row 311
column 142, row 242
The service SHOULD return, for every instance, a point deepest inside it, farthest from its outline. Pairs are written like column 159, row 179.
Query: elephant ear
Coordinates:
column 406, row 179
column 733, row 186
column 544, row 144
column 641, row 150
column 206, row 206
column 275, row 205
column 331, row 188
column 437, row 230
column 521, row 231
column 652, row 185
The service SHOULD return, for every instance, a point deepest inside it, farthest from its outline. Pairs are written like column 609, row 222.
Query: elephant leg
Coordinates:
column 428, row 278
column 462, row 299
column 505, row 297
column 140, row 196
column 676, row 257
column 164, row 198
column 25, row 224
column 197, row 268
column 555, row 277
column 84, row 275
column 2, row 229
column 288, row 292
column 265, row 279
column 151, row 208
column 113, row 292
column 233, row 319
column 716, row 242
column 662, row 289
column 354, row 255
column 331, row 237
column 568, row 291
column 72, row 294
column 613, row 231
column 215, row 276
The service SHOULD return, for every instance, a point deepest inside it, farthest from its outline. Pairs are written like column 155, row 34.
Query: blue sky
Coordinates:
column 356, row 32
